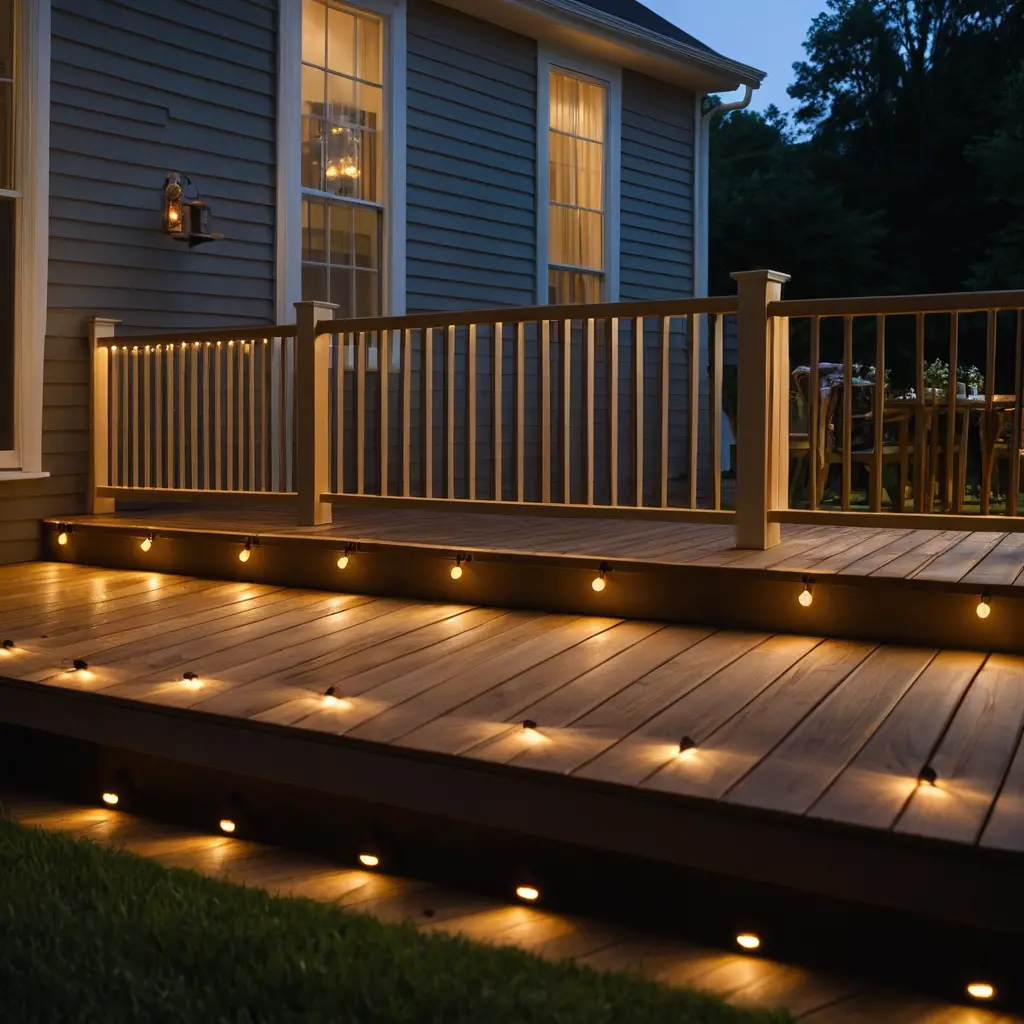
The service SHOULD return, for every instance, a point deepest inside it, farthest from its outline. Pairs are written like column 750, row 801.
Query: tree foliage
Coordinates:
column 901, row 170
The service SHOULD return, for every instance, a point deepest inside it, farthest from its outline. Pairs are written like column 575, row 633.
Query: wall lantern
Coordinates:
column 186, row 216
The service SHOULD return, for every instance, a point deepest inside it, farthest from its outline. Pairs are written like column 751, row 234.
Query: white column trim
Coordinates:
column 612, row 77
column 32, row 227
column 289, row 160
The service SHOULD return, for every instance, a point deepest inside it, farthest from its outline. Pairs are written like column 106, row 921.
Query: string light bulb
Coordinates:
column 246, row 553
column 528, row 893
column 147, row 543
column 343, row 561
column 806, row 597
column 747, row 940
column 600, row 581
column 984, row 609
column 111, row 799
column 369, row 860
column 981, row 990
column 227, row 825
column 457, row 570
column 62, row 537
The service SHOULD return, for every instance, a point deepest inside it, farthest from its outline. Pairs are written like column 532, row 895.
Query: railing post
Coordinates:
column 99, row 329
column 312, row 412
column 762, row 442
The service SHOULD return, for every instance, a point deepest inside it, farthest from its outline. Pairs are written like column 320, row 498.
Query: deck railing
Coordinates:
column 192, row 414
column 609, row 409
column 911, row 424
column 577, row 406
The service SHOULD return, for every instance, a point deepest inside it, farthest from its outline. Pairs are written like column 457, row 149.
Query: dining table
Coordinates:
column 995, row 412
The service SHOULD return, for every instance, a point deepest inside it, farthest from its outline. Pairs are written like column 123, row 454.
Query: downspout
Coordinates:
column 702, row 192
column 701, row 233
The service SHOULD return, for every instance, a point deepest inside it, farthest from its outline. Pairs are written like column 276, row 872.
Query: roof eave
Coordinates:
column 723, row 73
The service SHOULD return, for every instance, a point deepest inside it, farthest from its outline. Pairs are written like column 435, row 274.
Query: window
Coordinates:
column 577, row 188
column 342, row 133
column 8, row 199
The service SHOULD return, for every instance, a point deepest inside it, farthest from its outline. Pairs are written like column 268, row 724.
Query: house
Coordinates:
column 386, row 156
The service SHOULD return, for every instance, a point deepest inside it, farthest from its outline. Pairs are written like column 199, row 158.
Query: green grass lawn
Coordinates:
column 90, row 934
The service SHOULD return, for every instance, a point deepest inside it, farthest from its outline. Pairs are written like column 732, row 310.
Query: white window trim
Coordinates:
column 289, row 158
column 612, row 77
column 32, row 234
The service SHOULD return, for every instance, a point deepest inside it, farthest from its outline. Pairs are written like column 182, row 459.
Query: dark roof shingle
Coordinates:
column 643, row 17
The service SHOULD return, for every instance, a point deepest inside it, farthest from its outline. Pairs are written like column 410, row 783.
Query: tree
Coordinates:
column 770, row 209
column 1000, row 158
column 892, row 94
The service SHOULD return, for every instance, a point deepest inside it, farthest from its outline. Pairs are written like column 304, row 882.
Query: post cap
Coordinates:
column 775, row 276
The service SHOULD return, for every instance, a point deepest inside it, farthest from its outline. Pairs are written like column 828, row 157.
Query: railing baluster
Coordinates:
column 218, row 469
column 567, row 412
column 815, row 426
column 193, row 413
column 124, row 364
column 496, row 410
column 406, row 413
column 115, row 417
column 1013, row 498
column 342, row 342
column 879, row 424
column 545, row 411
column 718, row 356
column 249, row 353
column 229, row 416
column 990, row 387
column 693, row 330
column 361, row 355
column 613, row 409
column 147, row 412
column 384, row 368
column 158, row 414
column 666, row 338
column 925, row 423
column 520, row 411
column 264, row 391
column 135, row 415
column 638, row 410
column 589, row 400
column 471, row 411
column 428, row 412
column 450, row 410
column 951, row 413
column 208, row 440
column 847, row 408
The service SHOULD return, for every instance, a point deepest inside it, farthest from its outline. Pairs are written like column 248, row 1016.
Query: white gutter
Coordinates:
column 702, row 183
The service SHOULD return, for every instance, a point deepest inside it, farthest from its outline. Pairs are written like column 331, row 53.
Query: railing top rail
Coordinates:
column 532, row 314
column 899, row 305
column 218, row 334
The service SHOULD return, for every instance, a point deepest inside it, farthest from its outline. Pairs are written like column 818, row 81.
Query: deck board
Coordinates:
column 800, row 725
column 797, row 772
column 973, row 756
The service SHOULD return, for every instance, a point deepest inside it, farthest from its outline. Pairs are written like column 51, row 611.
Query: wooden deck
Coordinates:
column 810, row 729
column 743, row 981
column 941, row 556
column 910, row 587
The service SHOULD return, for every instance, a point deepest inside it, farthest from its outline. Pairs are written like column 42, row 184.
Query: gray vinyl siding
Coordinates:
column 656, row 262
column 139, row 89
column 471, row 162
